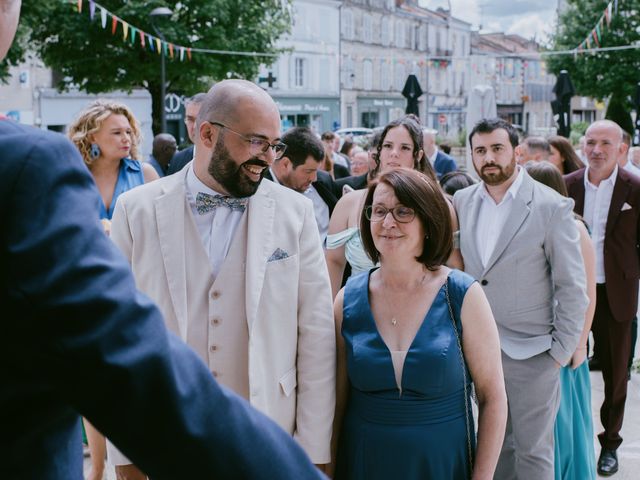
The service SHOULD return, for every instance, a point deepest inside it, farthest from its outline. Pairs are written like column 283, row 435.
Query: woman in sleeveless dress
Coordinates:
column 400, row 146
column 107, row 136
column 575, row 457
column 412, row 335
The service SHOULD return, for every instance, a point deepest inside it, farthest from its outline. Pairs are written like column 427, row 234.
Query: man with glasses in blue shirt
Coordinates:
column 242, row 277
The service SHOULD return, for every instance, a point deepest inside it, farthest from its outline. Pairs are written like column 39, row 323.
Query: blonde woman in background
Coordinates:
column 107, row 136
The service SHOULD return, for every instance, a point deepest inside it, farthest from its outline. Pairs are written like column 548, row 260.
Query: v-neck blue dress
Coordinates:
column 130, row 175
column 419, row 432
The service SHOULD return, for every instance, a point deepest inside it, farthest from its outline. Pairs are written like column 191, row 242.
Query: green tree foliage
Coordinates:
column 619, row 114
column 603, row 74
column 93, row 59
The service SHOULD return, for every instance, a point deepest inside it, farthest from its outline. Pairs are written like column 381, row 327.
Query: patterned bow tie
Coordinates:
column 206, row 203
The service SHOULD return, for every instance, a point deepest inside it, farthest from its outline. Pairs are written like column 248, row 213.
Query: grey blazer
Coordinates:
column 535, row 278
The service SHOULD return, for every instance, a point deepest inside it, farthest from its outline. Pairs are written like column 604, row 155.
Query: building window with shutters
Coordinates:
column 299, row 73
column 366, row 28
column 367, row 73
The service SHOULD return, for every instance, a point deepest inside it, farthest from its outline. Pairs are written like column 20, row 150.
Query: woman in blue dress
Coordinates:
column 575, row 457
column 107, row 136
column 412, row 335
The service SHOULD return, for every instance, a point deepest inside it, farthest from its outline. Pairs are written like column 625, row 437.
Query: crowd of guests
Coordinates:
column 370, row 318
column 448, row 289
column 397, row 238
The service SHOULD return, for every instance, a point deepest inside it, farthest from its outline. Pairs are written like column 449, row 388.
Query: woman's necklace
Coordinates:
column 394, row 321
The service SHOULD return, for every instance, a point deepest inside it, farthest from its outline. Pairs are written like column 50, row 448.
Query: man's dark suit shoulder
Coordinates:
column 340, row 171
column 327, row 189
column 356, row 182
column 180, row 159
column 444, row 164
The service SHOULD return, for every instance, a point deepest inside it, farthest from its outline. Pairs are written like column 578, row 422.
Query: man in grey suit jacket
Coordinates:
column 519, row 239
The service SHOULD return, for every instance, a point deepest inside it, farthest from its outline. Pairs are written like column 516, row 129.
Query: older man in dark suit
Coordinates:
column 79, row 338
column 608, row 197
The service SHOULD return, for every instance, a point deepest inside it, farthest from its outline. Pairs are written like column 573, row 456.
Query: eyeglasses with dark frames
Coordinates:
column 257, row 145
column 401, row 214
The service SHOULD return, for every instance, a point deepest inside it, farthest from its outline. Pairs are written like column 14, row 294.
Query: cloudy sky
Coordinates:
column 526, row 17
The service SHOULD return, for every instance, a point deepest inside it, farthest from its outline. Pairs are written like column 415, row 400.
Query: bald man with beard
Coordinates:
column 242, row 277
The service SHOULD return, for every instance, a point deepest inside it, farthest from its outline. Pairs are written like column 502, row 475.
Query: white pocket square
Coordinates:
column 626, row 206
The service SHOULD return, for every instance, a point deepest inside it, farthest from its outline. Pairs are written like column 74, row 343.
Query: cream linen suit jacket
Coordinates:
column 288, row 303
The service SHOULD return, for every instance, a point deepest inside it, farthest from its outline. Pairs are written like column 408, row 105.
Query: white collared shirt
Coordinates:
column 492, row 217
column 321, row 211
column 216, row 227
column 432, row 158
column 597, row 201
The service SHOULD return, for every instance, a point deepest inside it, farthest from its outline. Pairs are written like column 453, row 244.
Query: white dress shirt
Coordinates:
column 432, row 158
column 597, row 201
column 321, row 211
column 216, row 227
column 492, row 217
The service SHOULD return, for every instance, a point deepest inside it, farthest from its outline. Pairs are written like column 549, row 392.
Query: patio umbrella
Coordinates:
column 412, row 92
column 561, row 106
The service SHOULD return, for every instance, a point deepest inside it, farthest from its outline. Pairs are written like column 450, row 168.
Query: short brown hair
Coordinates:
column 419, row 192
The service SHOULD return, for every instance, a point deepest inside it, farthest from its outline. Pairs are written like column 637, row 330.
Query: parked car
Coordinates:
column 354, row 132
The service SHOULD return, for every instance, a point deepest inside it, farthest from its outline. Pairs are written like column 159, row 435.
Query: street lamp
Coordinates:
column 161, row 12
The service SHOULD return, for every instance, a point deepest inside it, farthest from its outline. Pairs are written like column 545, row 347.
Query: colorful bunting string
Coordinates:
column 155, row 44
column 596, row 32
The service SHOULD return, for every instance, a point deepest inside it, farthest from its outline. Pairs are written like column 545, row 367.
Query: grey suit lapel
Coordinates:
column 519, row 212
column 468, row 245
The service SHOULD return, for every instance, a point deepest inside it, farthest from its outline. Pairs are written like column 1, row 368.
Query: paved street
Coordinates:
column 629, row 452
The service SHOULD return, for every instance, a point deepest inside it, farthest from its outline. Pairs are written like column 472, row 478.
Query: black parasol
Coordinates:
column 412, row 92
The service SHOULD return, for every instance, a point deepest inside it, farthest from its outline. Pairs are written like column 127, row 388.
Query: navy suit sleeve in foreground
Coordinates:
column 78, row 338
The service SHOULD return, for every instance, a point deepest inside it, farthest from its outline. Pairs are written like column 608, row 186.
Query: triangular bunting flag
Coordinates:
column 159, row 45
column 114, row 24
column 125, row 30
column 133, row 35
column 151, row 43
column 142, row 35
column 79, row 6
column 92, row 9
column 181, row 54
column 103, row 17
column 171, row 50
column 189, row 54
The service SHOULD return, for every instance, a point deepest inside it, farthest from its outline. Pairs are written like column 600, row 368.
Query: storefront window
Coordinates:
column 369, row 119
